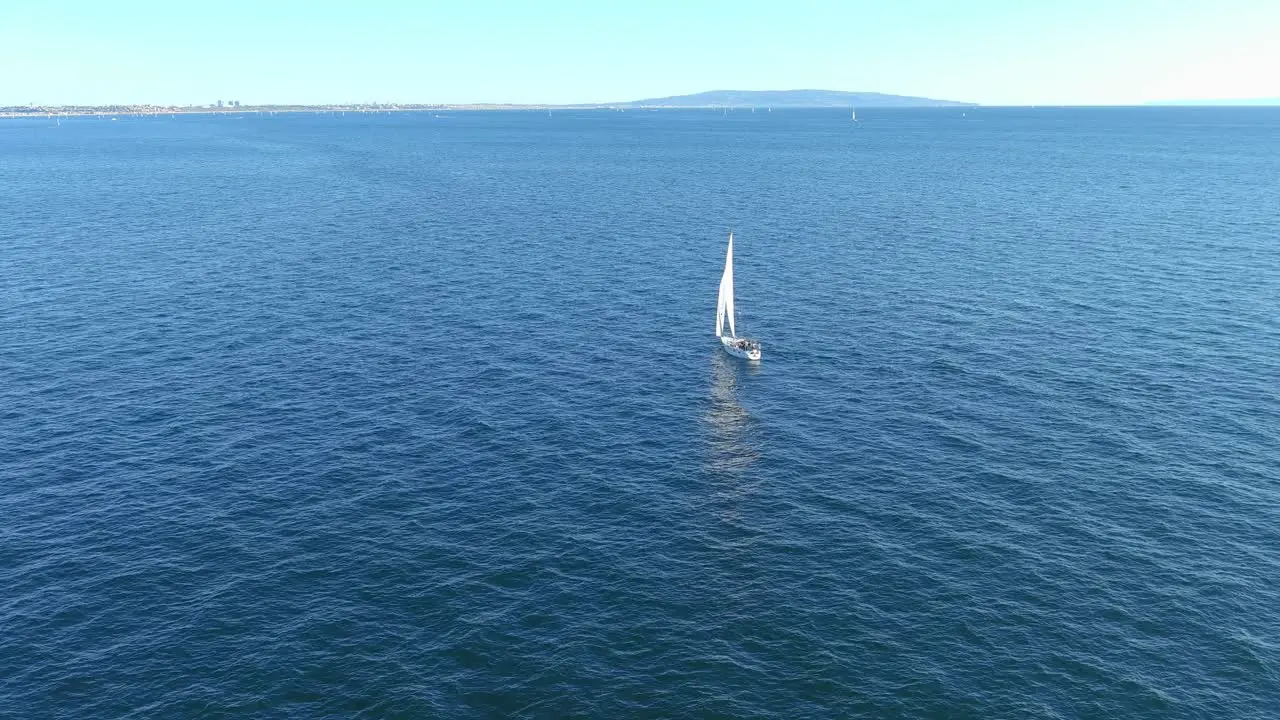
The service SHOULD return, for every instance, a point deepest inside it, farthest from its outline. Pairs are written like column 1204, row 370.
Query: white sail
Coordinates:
column 724, row 307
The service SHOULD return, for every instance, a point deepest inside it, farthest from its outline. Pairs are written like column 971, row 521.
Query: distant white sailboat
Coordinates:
column 734, row 345
column 853, row 115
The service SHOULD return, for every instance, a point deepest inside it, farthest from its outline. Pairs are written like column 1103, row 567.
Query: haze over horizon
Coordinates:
column 992, row 52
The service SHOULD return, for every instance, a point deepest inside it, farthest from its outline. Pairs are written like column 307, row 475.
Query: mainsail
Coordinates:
column 724, row 307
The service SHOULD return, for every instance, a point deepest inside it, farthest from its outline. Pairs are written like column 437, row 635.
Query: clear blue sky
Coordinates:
column 563, row 51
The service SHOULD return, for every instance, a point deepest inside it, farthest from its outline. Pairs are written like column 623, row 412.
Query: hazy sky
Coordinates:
column 562, row 51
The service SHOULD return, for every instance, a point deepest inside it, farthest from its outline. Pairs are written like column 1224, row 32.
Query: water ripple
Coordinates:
column 401, row 417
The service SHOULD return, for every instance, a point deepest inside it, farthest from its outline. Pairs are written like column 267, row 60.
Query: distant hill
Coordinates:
column 792, row 99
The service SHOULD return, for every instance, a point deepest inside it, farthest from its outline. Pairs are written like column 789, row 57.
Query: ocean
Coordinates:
column 422, row 415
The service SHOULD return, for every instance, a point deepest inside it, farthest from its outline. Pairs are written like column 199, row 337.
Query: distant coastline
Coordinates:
column 158, row 110
column 716, row 99
column 711, row 100
column 117, row 110
column 58, row 111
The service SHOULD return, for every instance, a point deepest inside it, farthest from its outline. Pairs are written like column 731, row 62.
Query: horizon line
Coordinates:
column 42, row 108
column 803, row 98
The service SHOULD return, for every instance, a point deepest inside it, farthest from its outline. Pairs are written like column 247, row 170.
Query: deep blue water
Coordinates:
column 406, row 416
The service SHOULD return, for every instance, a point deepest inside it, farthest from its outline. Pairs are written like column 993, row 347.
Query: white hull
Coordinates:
column 731, row 346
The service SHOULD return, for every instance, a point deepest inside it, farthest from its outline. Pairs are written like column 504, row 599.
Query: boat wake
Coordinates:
column 729, row 424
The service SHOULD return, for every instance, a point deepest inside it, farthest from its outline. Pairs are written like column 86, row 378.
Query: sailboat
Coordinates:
column 853, row 115
column 734, row 345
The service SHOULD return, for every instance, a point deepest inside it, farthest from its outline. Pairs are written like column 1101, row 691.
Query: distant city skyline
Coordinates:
column 992, row 52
